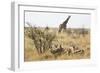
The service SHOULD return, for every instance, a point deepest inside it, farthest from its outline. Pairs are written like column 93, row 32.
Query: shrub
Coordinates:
column 42, row 39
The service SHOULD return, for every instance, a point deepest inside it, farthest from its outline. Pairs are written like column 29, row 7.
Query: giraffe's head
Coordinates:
column 69, row 17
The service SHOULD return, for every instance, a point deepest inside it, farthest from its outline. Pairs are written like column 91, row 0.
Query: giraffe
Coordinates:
column 63, row 25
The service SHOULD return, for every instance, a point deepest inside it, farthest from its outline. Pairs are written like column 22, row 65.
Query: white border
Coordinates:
column 18, row 37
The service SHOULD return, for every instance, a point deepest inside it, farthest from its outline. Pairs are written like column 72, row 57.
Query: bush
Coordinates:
column 42, row 39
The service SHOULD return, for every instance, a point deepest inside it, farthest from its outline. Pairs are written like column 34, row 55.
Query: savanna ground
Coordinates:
column 65, row 39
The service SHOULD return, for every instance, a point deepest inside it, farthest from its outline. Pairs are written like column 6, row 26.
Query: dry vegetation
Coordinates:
column 65, row 40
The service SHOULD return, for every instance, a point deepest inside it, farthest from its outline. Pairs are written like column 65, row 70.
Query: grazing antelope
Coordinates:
column 57, row 51
column 78, row 50
column 74, row 50
column 81, row 51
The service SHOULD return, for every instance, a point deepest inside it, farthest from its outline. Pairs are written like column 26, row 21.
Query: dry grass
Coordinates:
column 64, row 39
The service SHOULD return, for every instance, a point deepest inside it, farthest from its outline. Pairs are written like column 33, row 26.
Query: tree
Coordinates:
column 42, row 39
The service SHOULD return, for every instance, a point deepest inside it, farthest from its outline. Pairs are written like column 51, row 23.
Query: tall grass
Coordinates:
column 38, row 41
